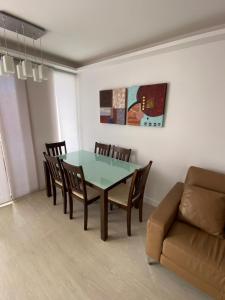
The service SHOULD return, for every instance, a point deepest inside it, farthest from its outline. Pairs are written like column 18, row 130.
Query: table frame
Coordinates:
column 103, row 200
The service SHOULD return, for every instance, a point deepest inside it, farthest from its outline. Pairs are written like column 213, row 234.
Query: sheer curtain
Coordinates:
column 67, row 109
column 32, row 114
column 17, row 136
column 5, row 193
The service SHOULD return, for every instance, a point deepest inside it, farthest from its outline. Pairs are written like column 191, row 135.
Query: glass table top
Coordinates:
column 101, row 171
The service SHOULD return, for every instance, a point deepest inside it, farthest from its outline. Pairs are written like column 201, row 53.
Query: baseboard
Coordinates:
column 151, row 201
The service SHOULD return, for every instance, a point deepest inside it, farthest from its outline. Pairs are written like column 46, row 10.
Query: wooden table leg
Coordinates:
column 47, row 179
column 104, row 215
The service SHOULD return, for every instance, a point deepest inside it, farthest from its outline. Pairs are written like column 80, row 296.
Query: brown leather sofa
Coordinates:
column 192, row 253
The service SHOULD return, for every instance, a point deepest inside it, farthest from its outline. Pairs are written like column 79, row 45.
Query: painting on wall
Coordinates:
column 146, row 104
column 113, row 106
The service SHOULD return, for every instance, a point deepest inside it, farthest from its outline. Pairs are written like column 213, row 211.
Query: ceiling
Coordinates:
column 84, row 31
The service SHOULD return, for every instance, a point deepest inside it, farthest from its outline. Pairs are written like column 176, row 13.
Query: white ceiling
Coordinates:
column 84, row 31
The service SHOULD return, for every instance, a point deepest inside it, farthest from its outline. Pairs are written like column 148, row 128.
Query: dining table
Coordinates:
column 102, row 173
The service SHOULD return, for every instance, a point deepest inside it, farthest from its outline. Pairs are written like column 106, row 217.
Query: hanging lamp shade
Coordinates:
column 43, row 72
column 27, row 68
column 36, row 76
column 19, row 71
column 8, row 64
column 2, row 72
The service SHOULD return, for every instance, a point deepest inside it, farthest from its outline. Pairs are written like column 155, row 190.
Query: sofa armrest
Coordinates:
column 161, row 220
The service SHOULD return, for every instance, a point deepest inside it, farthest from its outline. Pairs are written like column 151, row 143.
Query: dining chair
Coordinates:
column 102, row 149
column 121, row 153
column 78, row 189
column 55, row 149
column 57, row 177
column 127, row 196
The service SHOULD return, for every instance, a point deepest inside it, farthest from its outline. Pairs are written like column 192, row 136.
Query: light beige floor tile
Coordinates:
column 46, row 256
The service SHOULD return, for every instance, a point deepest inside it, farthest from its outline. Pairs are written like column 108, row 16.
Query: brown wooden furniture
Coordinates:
column 78, row 189
column 57, row 178
column 121, row 153
column 126, row 196
column 55, row 149
column 47, row 179
column 102, row 149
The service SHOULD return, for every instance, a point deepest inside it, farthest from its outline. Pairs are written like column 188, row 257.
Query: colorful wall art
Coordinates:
column 113, row 106
column 146, row 105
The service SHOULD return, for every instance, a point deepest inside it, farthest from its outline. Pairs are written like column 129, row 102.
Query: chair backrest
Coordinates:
column 75, row 179
column 55, row 149
column 121, row 153
column 102, row 149
column 55, row 168
column 210, row 180
column 137, row 187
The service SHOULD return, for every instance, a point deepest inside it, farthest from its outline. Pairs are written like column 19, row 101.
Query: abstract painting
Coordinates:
column 113, row 106
column 146, row 105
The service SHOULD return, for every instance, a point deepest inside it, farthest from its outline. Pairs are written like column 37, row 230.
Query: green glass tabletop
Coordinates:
column 101, row 171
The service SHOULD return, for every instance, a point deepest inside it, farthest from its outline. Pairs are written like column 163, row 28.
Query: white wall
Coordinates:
column 195, row 122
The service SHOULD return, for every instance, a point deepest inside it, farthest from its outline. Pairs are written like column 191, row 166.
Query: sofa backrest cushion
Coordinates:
column 206, row 179
column 204, row 209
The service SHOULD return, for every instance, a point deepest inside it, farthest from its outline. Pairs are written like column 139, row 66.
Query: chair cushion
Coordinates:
column 198, row 252
column 119, row 194
column 91, row 193
column 204, row 209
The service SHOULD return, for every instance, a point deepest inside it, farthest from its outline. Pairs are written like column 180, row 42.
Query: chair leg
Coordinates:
column 129, row 221
column 85, row 216
column 54, row 193
column 71, row 206
column 64, row 194
column 111, row 206
column 140, row 210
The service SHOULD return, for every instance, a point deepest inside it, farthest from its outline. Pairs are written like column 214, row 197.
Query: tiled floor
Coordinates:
column 46, row 256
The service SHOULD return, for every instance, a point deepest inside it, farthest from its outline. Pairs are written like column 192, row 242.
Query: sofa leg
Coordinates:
column 151, row 261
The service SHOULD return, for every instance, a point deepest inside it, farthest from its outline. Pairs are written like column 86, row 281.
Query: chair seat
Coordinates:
column 120, row 194
column 91, row 193
column 59, row 182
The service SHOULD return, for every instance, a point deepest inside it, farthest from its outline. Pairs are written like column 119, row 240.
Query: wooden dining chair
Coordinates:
column 102, row 149
column 121, row 153
column 55, row 149
column 57, row 178
column 78, row 189
column 126, row 196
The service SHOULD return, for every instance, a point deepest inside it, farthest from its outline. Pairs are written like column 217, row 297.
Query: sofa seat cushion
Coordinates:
column 198, row 252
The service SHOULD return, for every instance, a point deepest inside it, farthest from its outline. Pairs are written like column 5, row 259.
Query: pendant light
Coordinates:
column 42, row 69
column 19, row 69
column 2, row 72
column 26, row 64
column 35, row 71
column 8, row 61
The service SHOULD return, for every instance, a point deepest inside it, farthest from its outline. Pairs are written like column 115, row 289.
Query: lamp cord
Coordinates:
column 6, row 46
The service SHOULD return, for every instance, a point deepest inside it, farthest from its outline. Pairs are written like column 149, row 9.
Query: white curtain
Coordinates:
column 5, row 193
column 17, row 136
column 32, row 114
column 66, row 103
